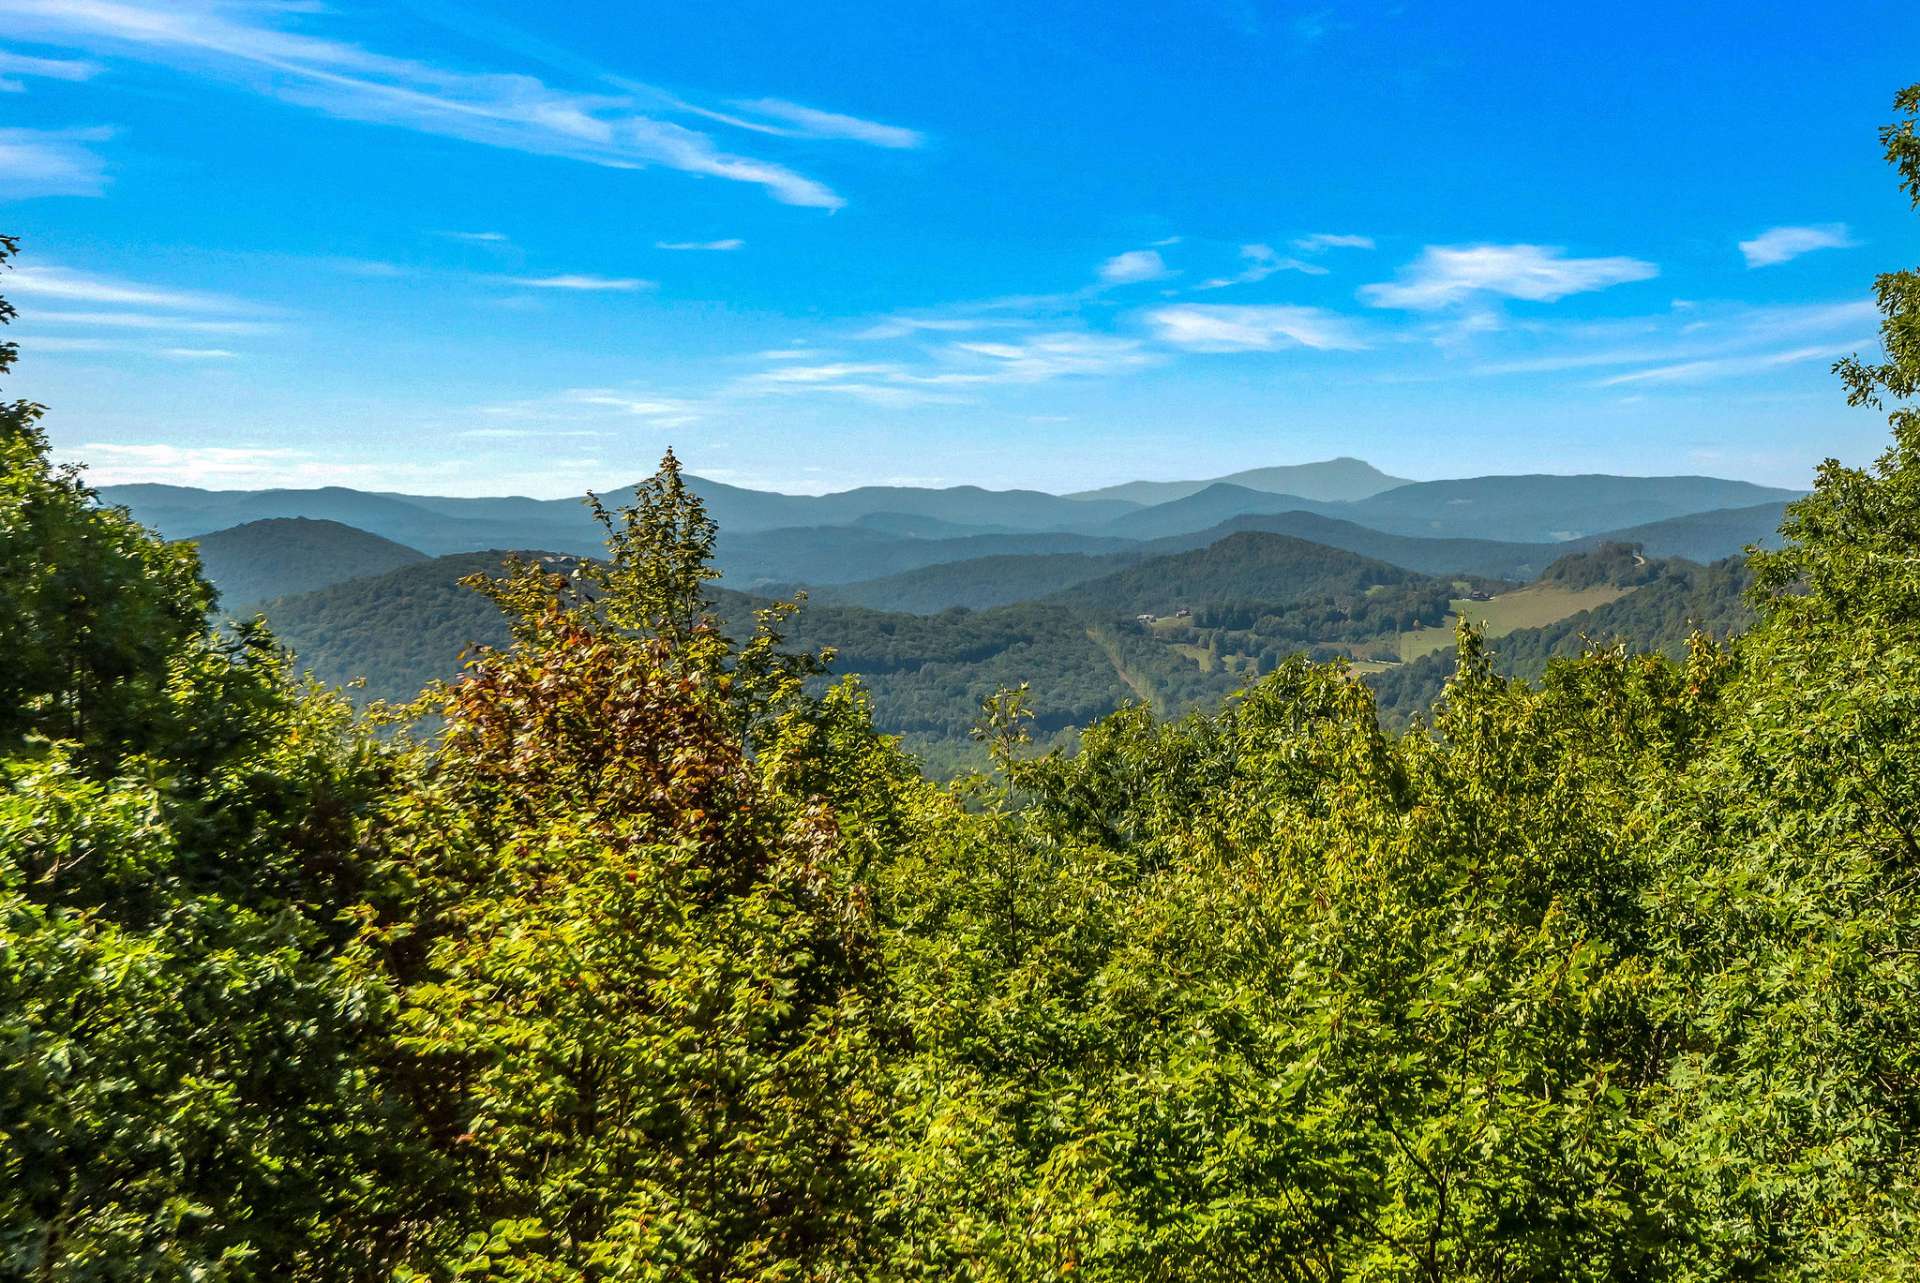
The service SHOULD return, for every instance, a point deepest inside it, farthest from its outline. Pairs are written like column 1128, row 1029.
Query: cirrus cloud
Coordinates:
column 251, row 44
column 1133, row 267
column 1445, row 275
column 1204, row 327
column 1779, row 244
column 584, row 283
column 52, row 162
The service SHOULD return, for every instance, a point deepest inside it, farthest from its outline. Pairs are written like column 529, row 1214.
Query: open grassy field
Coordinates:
column 1529, row 607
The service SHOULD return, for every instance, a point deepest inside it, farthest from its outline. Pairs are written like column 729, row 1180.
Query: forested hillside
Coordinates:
column 396, row 631
column 975, row 584
column 639, row 953
column 1252, row 599
column 928, row 676
column 1660, row 616
column 281, row 555
column 1249, row 565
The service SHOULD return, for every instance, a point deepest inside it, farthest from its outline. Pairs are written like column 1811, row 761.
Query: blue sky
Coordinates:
column 486, row 248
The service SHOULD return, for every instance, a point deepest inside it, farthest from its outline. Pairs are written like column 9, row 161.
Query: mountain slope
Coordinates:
column 280, row 555
column 928, row 675
column 433, row 525
column 1332, row 480
column 816, row 555
column 1520, row 509
column 1543, row 508
column 1707, row 536
column 975, row 584
column 1478, row 558
column 1206, row 508
column 1248, row 566
column 397, row 630
column 1000, row 580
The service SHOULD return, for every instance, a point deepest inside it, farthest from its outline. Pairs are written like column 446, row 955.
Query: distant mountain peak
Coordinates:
column 1341, row 479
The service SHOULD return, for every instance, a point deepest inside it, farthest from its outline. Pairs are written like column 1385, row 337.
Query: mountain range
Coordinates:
column 1173, row 593
column 873, row 531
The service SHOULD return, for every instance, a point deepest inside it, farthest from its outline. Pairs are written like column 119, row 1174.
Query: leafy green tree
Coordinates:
column 642, row 985
column 1787, row 908
column 186, row 1091
column 91, row 607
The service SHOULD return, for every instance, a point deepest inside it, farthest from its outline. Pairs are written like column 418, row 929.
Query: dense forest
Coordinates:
column 636, row 952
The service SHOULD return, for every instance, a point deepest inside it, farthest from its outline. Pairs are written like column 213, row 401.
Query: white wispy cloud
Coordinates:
column 586, row 283
column 1203, row 327
column 1321, row 241
column 832, row 372
column 1444, row 275
column 522, row 434
column 143, row 321
column 1261, row 262
column 19, row 64
column 52, row 162
column 954, row 368
column 1134, row 266
column 797, row 121
column 1779, row 244
column 896, row 327
column 882, row 383
column 577, row 407
column 246, row 41
column 1051, row 356
column 119, row 463
column 372, row 268
column 54, row 344
column 1725, row 367
column 664, row 411
column 42, row 280
column 236, row 467
column 722, row 246
column 477, row 238
column 66, row 343
column 1693, row 336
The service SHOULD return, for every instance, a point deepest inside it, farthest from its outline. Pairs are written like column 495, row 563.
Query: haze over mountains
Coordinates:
column 1332, row 480
column 1169, row 593
column 878, row 531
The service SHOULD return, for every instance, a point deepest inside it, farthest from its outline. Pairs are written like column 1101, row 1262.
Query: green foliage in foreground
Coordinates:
column 655, row 962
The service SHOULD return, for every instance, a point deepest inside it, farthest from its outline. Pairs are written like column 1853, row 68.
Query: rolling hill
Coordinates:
column 1333, row 481
column 432, row 525
column 816, row 555
column 975, row 584
column 1545, row 509
column 1206, row 508
column 995, row 579
column 1707, row 536
column 1476, row 558
column 1251, row 565
column 280, row 555
column 928, row 675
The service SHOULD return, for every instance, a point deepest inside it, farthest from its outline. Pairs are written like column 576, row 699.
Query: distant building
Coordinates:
column 1183, row 613
column 1479, row 595
column 1144, row 619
